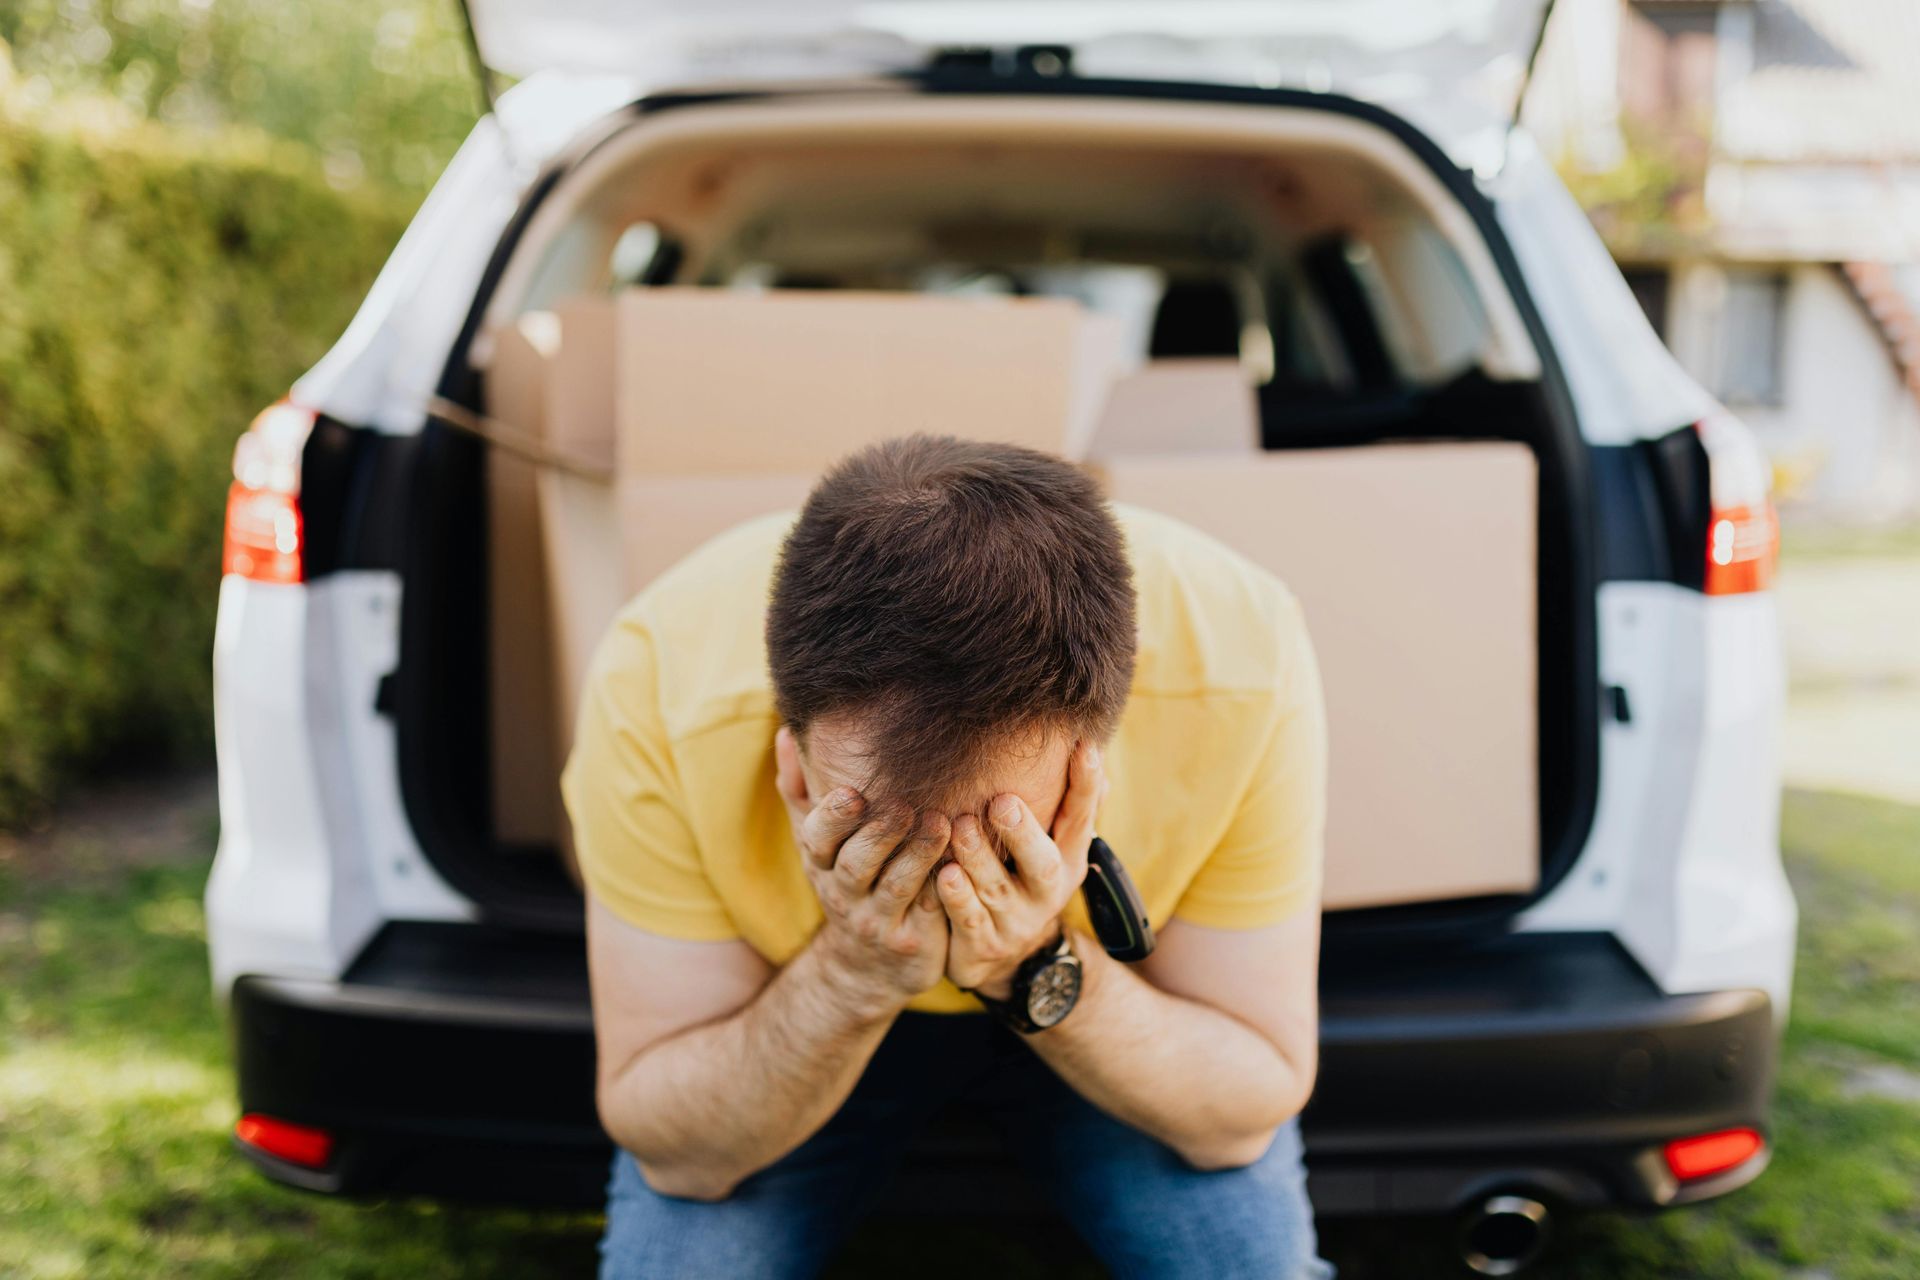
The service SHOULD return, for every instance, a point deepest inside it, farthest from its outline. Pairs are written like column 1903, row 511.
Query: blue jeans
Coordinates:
column 1141, row 1209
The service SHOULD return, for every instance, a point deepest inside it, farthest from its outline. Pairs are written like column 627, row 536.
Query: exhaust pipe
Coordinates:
column 1503, row 1235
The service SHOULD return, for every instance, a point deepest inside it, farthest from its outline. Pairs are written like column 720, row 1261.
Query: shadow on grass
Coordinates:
column 116, row 1098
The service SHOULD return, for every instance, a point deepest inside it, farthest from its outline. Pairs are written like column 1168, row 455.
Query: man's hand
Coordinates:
column 1001, row 916
column 885, row 937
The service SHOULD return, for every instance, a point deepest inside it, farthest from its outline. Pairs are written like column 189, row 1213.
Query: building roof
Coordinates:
column 1831, row 81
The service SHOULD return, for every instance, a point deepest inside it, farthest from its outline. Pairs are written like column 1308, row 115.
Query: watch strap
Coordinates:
column 1012, row 1011
column 1114, row 908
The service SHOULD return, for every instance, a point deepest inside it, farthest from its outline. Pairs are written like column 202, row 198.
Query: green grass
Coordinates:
column 1805, row 542
column 116, row 1098
column 115, row 1104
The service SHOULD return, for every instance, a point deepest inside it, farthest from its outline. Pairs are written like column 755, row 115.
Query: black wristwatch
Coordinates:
column 1046, row 986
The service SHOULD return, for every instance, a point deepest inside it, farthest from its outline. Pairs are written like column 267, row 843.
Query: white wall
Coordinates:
column 1836, row 212
column 1846, row 436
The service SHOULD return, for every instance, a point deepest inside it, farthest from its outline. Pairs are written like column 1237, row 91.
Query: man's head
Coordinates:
column 948, row 618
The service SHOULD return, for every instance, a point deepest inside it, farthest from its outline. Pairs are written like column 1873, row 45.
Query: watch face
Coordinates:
column 1053, row 992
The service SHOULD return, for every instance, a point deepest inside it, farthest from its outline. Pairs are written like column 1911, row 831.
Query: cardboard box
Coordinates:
column 712, row 382
column 525, row 765
column 662, row 519
column 1415, row 564
column 1199, row 405
column 580, row 518
column 731, row 405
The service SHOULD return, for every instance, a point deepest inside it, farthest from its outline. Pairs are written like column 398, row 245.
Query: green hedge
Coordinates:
column 156, row 290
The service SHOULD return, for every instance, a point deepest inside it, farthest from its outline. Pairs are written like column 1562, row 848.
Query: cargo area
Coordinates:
column 1281, row 326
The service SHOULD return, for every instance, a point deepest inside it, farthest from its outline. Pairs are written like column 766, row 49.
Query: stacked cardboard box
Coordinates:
column 1415, row 566
column 693, row 410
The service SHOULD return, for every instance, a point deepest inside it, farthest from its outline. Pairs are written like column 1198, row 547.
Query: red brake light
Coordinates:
column 264, row 530
column 298, row 1144
column 1743, row 549
column 263, row 535
column 1743, row 533
column 1711, row 1153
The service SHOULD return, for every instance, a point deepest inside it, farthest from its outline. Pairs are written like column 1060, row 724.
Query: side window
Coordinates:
column 1389, row 314
column 1306, row 346
column 591, row 255
column 1438, row 325
column 1401, row 300
column 639, row 255
column 1748, row 355
column 1346, row 285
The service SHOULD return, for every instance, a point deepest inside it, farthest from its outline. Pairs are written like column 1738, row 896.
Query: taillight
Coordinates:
column 1743, row 549
column 1743, row 532
column 299, row 1144
column 1710, row 1153
column 263, row 504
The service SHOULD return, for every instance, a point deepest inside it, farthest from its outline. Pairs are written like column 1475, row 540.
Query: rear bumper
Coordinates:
column 457, row 1061
column 1544, row 1060
column 452, row 1061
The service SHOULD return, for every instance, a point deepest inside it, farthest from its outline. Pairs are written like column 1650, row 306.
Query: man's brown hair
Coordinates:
column 954, row 595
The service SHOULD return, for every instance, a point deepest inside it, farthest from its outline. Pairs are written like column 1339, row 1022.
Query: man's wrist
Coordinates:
column 1000, row 985
column 998, row 988
column 858, row 995
column 1044, row 990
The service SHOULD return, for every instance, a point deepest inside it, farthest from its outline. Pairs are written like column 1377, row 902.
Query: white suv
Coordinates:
column 406, row 980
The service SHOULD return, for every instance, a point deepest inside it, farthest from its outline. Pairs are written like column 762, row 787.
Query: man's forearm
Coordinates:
column 1200, row 1080
column 706, row 1108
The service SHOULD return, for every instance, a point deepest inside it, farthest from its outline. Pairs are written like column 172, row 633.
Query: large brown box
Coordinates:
column 1415, row 565
column 1187, row 405
column 712, row 382
column 555, row 577
column 579, row 515
column 730, row 405
column 521, row 657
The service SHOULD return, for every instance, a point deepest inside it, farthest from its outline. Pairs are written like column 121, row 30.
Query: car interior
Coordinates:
column 1320, row 363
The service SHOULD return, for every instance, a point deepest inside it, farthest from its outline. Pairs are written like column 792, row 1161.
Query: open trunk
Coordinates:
column 1330, row 365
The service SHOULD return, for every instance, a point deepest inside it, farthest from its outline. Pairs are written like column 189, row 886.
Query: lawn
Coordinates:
column 115, row 1102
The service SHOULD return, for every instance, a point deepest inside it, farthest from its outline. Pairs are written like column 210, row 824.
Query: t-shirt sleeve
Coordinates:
column 1267, row 867
column 631, row 834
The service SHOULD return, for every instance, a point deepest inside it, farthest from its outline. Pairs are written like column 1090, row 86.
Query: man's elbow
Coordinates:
column 673, row 1174
column 686, row 1182
column 1245, row 1139
column 1220, row 1155
column 668, row 1172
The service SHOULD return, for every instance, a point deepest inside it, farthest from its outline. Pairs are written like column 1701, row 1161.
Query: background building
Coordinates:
column 1755, row 167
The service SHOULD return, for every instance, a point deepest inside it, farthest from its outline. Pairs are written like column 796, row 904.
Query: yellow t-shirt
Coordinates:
column 1218, row 768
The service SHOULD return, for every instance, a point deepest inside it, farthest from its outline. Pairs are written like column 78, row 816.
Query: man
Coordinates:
column 833, row 792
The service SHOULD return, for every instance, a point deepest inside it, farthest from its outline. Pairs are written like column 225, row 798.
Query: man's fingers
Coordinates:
column 1033, row 851
column 865, row 851
column 976, row 857
column 906, row 875
column 929, row 896
column 826, row 828
column 1086, row 784
column 969, row 915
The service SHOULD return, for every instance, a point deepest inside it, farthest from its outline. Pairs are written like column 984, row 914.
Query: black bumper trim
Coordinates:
column 457, row 1060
